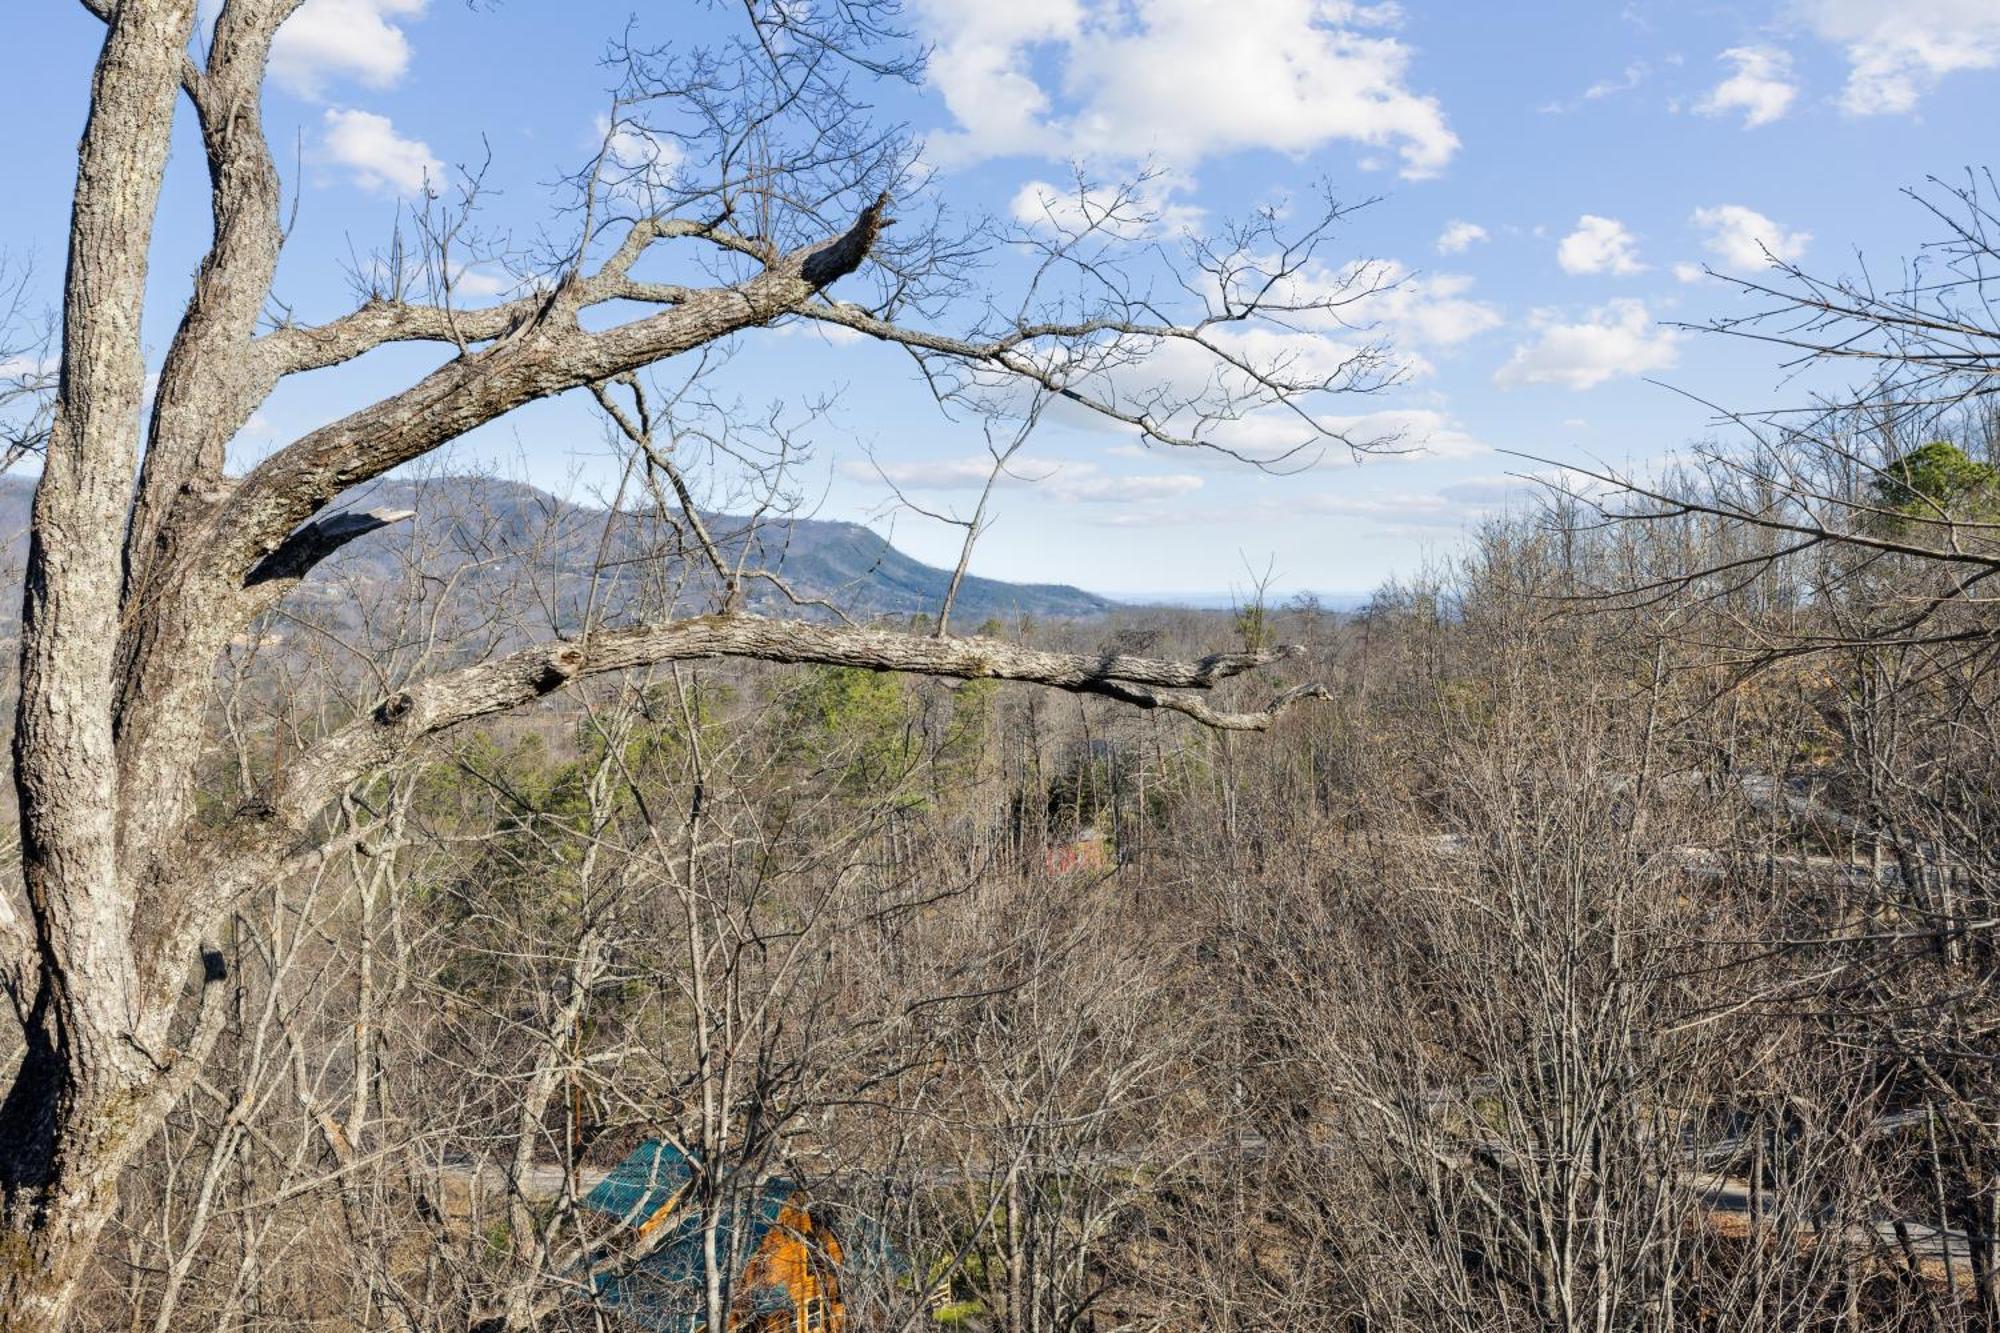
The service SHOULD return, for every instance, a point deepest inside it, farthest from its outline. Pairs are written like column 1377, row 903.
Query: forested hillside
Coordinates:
column 1554, row 972
column 429, row 904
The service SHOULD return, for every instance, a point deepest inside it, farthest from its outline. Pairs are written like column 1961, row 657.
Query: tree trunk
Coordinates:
column 67, row 1148
column 81, row 1098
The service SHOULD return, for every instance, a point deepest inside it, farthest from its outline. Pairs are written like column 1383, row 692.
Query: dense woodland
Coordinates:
column 1589, row 960
column 1597, row 932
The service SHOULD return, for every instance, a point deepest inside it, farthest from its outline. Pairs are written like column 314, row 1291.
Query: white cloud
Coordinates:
column 1386, row 435
column 1415, row 311
column 1179, row 80
column 378, row 157
column 1500, row 490
column 637, row 162
column 1615, row 339
column 1355, row 325
column 836, row 335
column 1084, row 483
column 1419, row 433
column 1761, row 88
column 1459, row 236
column 1631, row 77
column 1628, row 78
column 1488, row 491
column 1110, row 211
column 981, row 67
column 1898, row 52
column 356, row 39
column 1188, row 390
column 1740, row 238
column 1417, row 315
column 478, row 284
column 1340, row 317
column 27, row 367
column 1067, row 481
column 1599, row 245
column 1150, row 516
column 1429, row 310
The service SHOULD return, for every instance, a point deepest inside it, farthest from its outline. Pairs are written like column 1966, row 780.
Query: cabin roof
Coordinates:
column 665, row 1287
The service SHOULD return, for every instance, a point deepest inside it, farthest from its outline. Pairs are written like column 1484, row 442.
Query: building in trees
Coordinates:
column 778, row 1258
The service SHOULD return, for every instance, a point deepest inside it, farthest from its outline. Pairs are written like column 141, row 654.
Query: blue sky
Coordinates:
column 1552, row 175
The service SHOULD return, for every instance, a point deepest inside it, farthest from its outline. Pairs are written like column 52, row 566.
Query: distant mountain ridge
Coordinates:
column 488, row 519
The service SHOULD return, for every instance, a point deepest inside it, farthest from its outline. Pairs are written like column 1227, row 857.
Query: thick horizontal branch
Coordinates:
column 537, row 348
column 1198, row 708
column 400, row 721
column 298, row 347
column 275, row 833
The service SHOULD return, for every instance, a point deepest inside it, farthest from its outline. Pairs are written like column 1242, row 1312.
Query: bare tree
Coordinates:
column 784, row 186
column 1870, row 497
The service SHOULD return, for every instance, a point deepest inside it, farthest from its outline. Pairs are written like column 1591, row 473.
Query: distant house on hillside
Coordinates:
column 785, row 1260
column 1088, row 852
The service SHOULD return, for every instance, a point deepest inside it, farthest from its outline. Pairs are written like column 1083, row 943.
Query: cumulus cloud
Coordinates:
column 1429, row 310
column 1386, row 435
column 1107, row 210
column 637, row 163
column 1743, row 238
column 1459, row 236
column 353, row 39
column 376, row 156
column 1418, row 432
column 1180, row 80
column 1761, row 87
column 1417, row 315
column 1188, row 389
column 1618, row 338
column 1416, row 312
column 1361, row 325
column 478, row 284
column 1599, row 245
column 1898, row 52
column 980, row 65
column 1064, row 480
